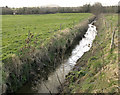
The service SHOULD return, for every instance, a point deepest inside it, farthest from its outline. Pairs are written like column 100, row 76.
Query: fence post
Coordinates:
column 112, row 40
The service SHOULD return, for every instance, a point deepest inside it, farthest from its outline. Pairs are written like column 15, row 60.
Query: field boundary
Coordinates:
column 97, row 71
column 24, row 69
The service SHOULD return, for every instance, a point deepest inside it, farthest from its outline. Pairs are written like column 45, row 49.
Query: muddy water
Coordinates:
column 58, row 76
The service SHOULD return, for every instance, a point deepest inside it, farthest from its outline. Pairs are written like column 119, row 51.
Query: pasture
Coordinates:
column 16, row 29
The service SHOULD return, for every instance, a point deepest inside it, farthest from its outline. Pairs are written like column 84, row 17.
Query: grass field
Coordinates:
column 15, row 28
column 97, row 70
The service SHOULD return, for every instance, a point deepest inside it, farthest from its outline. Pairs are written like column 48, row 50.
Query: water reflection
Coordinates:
column 56, row 78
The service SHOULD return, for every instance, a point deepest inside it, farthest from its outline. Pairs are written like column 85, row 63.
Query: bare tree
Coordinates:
column 97, row 8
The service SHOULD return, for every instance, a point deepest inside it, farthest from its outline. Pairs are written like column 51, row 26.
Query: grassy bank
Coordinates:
column 31, row 62
column 97, row 70
column 16, row 29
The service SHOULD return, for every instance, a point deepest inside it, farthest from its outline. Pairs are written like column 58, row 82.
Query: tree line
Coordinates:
column 87, row 8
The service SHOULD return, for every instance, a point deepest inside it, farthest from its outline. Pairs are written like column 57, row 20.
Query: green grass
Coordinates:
column 100, row 64
column 15, row 28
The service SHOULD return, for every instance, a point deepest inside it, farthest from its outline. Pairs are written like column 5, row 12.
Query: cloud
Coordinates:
column 62, row 3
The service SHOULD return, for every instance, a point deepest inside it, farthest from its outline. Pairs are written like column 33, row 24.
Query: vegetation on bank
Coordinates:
column 16, row 29
column 33, row 62
column 97, row 70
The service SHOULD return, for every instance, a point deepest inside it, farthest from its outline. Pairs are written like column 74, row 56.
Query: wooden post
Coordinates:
column 112, row 40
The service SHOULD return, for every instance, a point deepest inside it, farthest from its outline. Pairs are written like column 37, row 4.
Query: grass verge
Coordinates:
column 97, row 70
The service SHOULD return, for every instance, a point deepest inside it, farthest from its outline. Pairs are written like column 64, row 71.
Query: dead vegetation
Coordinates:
column 97, row 71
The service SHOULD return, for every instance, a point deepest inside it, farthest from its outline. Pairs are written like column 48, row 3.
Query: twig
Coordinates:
column 54, row 69
column 58, row 78
column 47, row 88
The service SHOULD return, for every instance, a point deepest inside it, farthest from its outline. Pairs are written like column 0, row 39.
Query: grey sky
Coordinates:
column 62, row 3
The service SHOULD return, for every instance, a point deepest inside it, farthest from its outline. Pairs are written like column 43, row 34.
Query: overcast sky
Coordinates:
column 62, row 3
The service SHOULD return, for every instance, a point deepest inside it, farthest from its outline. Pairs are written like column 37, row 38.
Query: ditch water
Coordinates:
column 56, row 78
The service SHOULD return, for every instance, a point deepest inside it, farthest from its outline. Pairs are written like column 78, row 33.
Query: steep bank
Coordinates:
column 56, row 78
column 97, row 70
column 34, row 63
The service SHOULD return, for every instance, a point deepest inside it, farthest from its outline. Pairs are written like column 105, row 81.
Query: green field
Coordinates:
column 15, row 28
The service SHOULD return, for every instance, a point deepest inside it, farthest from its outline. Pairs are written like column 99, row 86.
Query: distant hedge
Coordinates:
column 47, row 10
